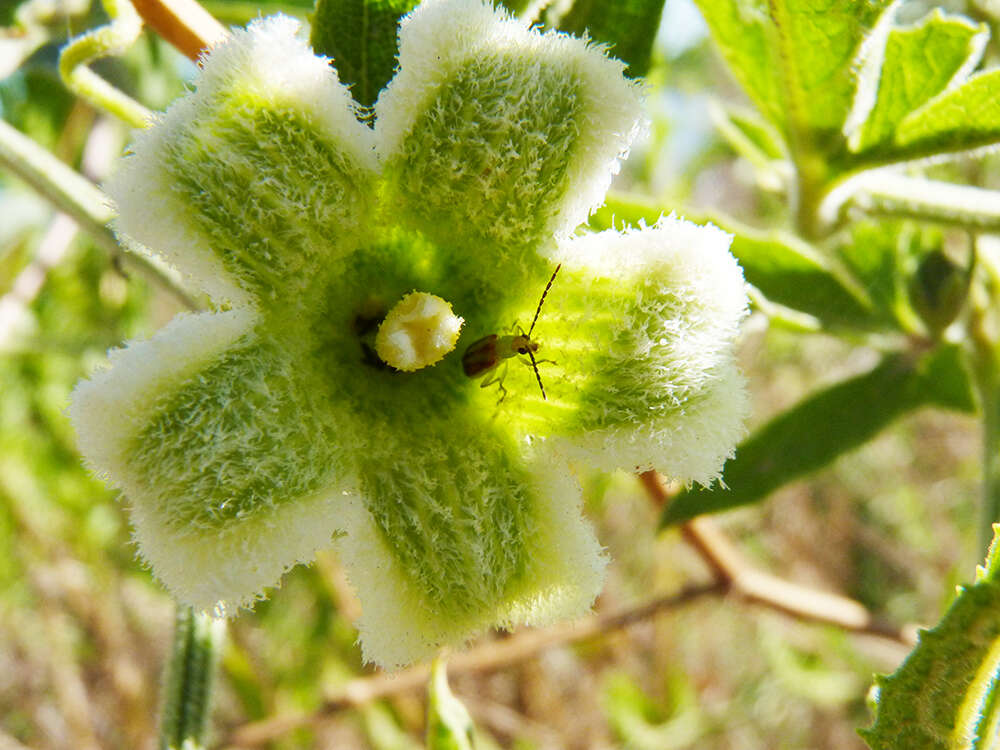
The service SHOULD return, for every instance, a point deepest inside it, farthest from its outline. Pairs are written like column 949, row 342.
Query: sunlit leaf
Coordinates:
column 944, row 694
column 963, row 119
column 359, row 36
column 795, row 58
column 629, row 26
column 826, row 425
column 744, row 34
column 919, row 62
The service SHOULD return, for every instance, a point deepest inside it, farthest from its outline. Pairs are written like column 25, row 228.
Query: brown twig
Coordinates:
column 732, row 571
column 184, row 23
column 483, row 658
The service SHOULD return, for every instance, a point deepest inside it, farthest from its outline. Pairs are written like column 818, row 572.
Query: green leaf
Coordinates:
column 360, row 38
column 757, row 141
column 962, row 119
column 744, row 33
column 944, row 380
column 791, row 273
column 629, row 26
column 795, row 58
column 641, row 723
column 919, row 63
column 880, row 255
column 944, row 694
column 750, row 136
column 827, row 424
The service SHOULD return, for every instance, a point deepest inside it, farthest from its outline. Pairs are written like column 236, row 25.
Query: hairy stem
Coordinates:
column 187, row 689
column 76, row 196
column 892, row 194
column 985, row 356
column 66, row 189
column 113, row 39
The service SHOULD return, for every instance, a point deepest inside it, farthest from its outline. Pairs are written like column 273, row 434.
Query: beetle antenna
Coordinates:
column 535, row 319
column 535, row 366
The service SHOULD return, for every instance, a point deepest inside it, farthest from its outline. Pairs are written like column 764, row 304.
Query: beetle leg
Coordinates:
column 497, row 376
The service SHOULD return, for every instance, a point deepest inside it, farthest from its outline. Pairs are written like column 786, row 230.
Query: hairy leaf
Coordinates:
column 944, row 694
column 360, row 38
column 880, row 255
column 791, row 273
column 919, row 63
column 796, row 58
column 827, row 424
column 629, row 26
column 750, row 136
column 962, row 119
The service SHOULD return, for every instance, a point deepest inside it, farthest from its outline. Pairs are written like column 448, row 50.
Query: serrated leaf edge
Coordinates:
column 868, row 73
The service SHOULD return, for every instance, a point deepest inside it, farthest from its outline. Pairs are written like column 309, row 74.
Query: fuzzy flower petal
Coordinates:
column 220, row 186
column 475, row 534
column 494, row 134
column 224, row 451
column 643, row 333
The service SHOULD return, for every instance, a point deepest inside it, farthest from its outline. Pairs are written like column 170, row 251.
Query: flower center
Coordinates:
column 417, row 332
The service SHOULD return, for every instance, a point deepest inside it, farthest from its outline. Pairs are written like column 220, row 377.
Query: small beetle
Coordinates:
column 485, row 354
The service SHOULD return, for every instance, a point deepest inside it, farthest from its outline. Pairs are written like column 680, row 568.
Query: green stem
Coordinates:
column 74, row 195
column 187, row 689
column 989, row 394
column 69, row 191
column 985, row 355
column 892, row 194
column 449, row 726
column 113, row 39
column 808, row 198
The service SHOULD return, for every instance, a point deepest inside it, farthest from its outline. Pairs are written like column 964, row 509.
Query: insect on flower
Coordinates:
column 485, row 354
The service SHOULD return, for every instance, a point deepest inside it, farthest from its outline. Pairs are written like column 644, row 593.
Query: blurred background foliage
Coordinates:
column 84, row 630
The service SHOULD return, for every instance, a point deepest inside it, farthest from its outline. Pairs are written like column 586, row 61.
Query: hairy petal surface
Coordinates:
column 257, row 181
column 225, row 449
column 495, row 137
column 468, row 532
column 643, row 339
